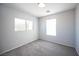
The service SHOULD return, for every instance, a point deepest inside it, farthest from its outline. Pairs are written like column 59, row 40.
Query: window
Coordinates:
column 20, row 24
column 29, row 25
column 51, row 27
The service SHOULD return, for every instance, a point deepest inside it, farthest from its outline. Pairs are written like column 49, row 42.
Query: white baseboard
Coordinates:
column 15, row 47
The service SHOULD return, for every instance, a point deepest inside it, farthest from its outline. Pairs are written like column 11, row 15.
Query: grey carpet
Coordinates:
column 42, row 48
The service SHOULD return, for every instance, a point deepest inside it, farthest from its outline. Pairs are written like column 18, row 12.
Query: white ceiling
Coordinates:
column 33, row 8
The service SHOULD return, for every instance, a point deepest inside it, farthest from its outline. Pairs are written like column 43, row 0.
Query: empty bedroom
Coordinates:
column 39, row 29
